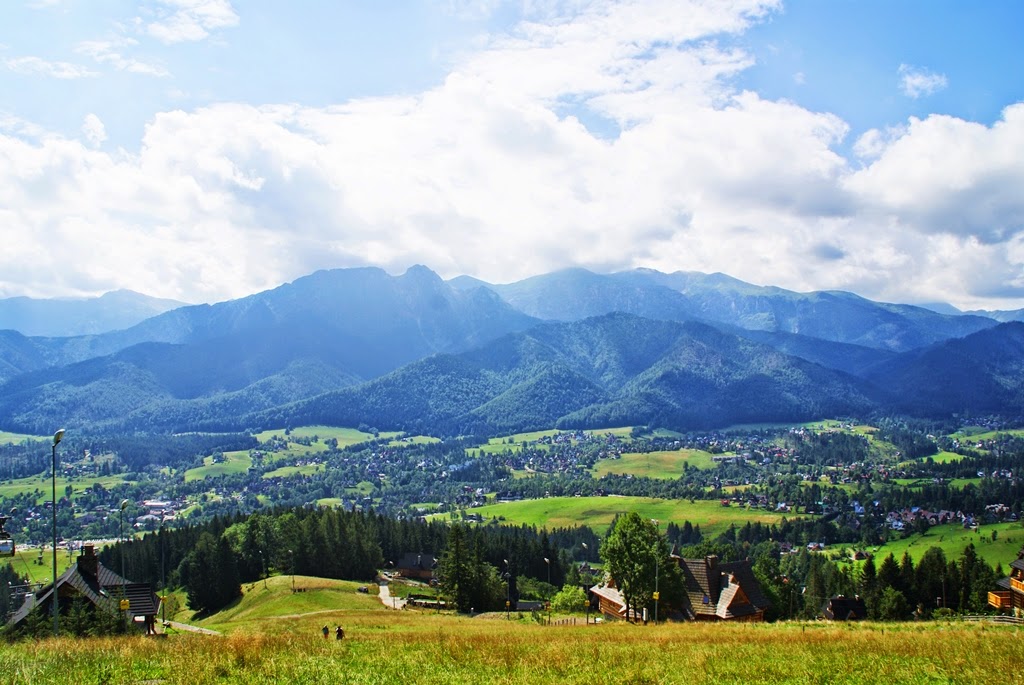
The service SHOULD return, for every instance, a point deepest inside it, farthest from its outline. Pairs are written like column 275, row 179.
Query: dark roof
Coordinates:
column 103, row 588
column 418, row 561
column 727, row 590
column 845, row 609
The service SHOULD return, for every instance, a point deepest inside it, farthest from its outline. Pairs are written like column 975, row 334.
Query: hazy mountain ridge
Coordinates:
column 86, row 316
column 358, row 345
column 682, row 296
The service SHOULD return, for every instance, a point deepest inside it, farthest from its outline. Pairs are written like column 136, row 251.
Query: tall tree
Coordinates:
column 633, row 553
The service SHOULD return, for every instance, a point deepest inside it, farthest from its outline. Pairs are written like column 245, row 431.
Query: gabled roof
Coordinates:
column 724, row 591
column 418, row 561
column 104, row 589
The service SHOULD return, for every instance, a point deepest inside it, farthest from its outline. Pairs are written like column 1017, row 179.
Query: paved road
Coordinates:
column 389, row 601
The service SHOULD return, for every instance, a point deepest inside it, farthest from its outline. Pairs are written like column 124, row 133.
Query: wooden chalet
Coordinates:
column 416, row 565
column 715, row 592
column 90, row 580
column 722, row 591
column 1010, row 595
column 842, row 608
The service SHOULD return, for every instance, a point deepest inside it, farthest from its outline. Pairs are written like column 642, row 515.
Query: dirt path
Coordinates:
column 190, row 628
column 389, row 601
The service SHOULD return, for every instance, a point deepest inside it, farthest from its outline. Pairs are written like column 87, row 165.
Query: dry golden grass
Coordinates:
column 399, row 647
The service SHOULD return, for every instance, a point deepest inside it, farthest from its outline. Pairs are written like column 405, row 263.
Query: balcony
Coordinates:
column 1017, row 585
column 1001, row 599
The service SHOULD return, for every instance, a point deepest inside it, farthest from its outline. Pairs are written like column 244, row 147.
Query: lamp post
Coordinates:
column 57, row 437
column 120, row 539
column 508, row 591
column 548, row 562
column 657, row 554
column 586, row 583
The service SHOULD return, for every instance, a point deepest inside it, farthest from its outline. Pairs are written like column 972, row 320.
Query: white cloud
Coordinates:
column 180, row 21
column 38, row 66
column 493, row 173
column 916, row 82
column 93, row 130
column 109, row 52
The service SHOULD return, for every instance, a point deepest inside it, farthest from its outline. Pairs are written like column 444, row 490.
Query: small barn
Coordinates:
column 88, row 579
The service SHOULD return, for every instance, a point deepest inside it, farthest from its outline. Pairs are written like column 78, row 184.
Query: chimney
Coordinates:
column 88, row 562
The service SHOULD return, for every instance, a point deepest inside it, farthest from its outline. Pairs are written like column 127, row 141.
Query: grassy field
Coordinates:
column 664, row 465
column 17, row 438
column 598, row 512
column 24, row 563
column 519, row 440
column 953, row 538
column 382, row 647
column 234, row 463
column 44, row 485
column 288, row 471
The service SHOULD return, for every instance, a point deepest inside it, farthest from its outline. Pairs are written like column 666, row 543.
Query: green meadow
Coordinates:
column 667, row 465
column 289, row 471
column 952, row 538
column 234, row 463
column 44, row 485
column 598, row 512
column 18, row 438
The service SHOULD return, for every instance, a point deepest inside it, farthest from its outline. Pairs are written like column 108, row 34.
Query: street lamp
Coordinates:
column 585, row 582
column 548, row 562
column 120, row 539
column 57, row 437
column 508, row 591
column 657, row 555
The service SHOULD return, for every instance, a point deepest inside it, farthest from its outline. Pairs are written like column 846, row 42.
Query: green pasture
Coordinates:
column 345, row 436
column 18, row 438
column 667, row 465
column 265, row 603
column 517, row 441
column 921, row 482
column 598, row 512
column 288, row 471
column 952, row 538
column 233, row 464
column 43, row 485
column 975, row 433
column 25, row 562
column 413, row 440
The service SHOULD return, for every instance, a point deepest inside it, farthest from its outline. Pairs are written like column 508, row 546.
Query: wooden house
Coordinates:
column 714, row 592
column 1010, row 595
column 90, row 580
column 416, row 565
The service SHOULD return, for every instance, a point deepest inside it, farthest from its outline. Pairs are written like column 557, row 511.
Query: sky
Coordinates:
column 204, row 150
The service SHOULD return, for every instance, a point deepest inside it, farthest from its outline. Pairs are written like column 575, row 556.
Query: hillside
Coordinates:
column 610, row 370
column 983, row 372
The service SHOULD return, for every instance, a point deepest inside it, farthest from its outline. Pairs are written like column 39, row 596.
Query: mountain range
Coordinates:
column 572, row 348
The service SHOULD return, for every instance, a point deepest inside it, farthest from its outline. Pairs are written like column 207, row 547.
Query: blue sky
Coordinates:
column 207, row 149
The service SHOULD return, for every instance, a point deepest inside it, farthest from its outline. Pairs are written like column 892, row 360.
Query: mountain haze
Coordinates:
column 66, row 317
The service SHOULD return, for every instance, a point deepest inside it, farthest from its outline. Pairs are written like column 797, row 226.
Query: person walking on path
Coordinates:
column 325, row 630
column 339, row 634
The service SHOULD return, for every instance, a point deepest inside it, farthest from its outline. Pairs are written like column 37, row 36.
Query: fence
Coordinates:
column 1008, row 620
